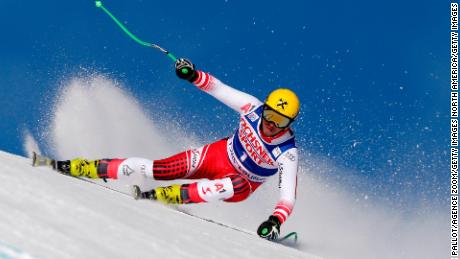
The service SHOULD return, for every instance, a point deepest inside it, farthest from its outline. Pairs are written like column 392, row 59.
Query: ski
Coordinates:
column 289, row 239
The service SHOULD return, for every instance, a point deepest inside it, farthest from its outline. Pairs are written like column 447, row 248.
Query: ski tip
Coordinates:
column 34, row 158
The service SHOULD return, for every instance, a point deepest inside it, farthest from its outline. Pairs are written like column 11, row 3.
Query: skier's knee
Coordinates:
column 214, row 190
column 125, row 168
column 233, row 188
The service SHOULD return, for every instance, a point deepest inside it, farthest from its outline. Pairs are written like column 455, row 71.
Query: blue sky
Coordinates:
column 373, row 78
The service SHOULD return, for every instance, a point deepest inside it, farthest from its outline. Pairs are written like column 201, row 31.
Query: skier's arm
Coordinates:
column 235, row 99
column 287, row 164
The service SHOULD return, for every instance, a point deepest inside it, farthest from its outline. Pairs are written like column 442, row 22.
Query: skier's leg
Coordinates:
column 184, row 165
column 234, row 188
column 179, row 166
column 222, row 181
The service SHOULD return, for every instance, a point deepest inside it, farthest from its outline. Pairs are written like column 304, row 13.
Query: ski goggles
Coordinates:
column 276, row 118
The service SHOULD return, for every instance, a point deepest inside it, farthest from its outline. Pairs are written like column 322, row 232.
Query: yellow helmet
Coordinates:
column 284, row 101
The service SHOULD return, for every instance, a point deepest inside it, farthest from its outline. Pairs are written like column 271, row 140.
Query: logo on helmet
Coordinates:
column 281, row 103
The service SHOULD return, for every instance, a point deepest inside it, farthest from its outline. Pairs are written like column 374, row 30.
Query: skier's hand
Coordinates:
column 270, row 229
column 186, row 70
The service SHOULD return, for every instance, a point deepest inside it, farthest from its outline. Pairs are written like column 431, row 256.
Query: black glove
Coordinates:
column 270, row 229
column 186, row 70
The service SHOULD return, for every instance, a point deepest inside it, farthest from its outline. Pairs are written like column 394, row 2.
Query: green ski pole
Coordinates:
column 155, row 46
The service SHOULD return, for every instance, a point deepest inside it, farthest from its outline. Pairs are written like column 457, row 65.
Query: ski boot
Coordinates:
column 77, row 167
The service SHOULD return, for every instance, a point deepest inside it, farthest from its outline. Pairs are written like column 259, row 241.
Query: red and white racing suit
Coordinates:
column 232, row 168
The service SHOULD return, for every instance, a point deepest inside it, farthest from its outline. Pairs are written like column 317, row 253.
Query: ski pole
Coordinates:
column 136, row 39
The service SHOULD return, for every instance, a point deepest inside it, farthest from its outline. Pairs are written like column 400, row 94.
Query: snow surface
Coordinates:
column 95, row 117
column 48, row 215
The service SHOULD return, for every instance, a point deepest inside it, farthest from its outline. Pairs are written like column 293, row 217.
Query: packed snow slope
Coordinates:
column 95, row 117
column 48, row 215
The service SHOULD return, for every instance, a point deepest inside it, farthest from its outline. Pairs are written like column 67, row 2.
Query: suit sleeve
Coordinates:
column 235, row 99
column 287, row 170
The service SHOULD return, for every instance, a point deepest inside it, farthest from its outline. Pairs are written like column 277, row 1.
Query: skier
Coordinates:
column 230, row 169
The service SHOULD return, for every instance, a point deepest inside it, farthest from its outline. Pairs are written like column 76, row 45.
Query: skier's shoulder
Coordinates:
column 288, row 142
column 254, row 106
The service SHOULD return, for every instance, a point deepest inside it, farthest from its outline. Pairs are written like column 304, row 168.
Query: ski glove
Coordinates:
column 270, row 229
column 186, row 70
